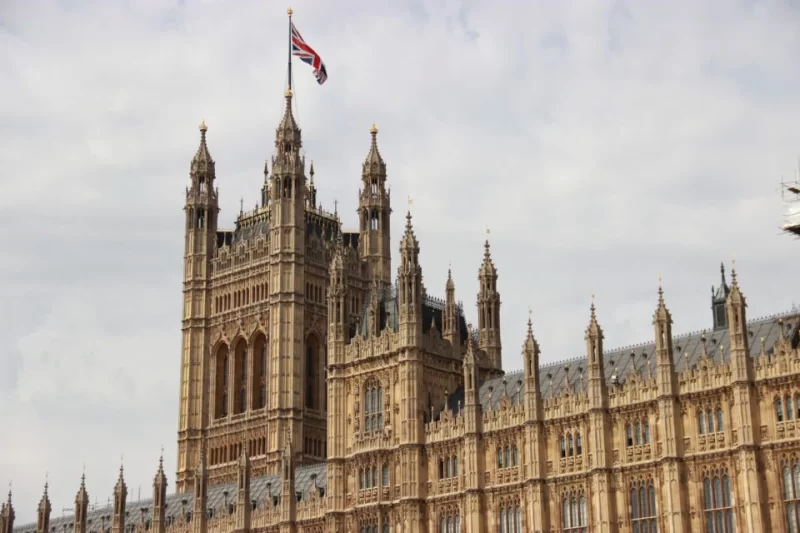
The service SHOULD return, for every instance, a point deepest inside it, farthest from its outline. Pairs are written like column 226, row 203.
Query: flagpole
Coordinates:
column 289, row 12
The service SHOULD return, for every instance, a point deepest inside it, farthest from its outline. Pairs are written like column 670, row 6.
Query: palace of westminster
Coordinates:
column 321, row 391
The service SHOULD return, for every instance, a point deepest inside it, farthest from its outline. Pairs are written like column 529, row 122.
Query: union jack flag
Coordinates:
column 308, row 55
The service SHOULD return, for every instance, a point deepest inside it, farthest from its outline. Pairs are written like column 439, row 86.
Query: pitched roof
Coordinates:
column 178, row 503
column 687, row 350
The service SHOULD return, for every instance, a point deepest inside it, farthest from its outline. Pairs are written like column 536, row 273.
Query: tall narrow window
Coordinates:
column 629, row 435
column 239, row 384
column 258, row 392
column 789, row 410
column 573, row 514
column 717, row 508
column 701, row 422
column 720, row 422
column 221, row 393
column 373, row 408
column 710, row 422
column 779, row 410
column 791, row 497
column 643, row 509
column 647, row 432
column 578, row 444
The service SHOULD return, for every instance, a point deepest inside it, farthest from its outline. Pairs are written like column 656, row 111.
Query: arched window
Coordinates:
column 573, row 514
column 450, row 520
column 386, row 528
column 710, row 422
column 779, row 410
column 239, row 384
column 385, row 475
column 718, row 512
column 638, row 434
column 789, row 410
column 643, row 508
column 373, row 407
column 791, row 497
column 720, row 422
column 221, row 385
column 313, row 382
column 570, row 450
column 646, row 426
column 258, row 392
column 701, row 422
column 563, row 447
column 510, row 519
column 629, row 435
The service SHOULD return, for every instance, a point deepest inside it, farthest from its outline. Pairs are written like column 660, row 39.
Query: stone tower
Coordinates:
column 374, row 211
column 489, row 311
column 287, row 269
column 201, row 211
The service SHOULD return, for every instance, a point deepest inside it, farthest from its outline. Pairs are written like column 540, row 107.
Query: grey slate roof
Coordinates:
column 432, row 309
column 304, row 483
column 554, row 377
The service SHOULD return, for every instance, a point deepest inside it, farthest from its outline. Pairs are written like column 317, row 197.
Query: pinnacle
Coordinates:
column 374, row 162
column 202, row 155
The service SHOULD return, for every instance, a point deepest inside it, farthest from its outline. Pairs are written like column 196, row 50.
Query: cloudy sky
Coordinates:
column 602, row 142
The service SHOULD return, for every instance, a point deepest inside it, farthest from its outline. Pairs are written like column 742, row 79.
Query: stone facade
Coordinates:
column 320, row 393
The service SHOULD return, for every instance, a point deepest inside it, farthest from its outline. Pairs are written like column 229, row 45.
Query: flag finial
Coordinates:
column 289, row 12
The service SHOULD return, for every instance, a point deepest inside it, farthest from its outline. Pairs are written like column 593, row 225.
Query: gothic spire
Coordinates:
column 288, row 130
column 202, row 157
column 374, row 165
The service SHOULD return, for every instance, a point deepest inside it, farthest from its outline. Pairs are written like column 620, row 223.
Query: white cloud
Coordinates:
column 602, row 142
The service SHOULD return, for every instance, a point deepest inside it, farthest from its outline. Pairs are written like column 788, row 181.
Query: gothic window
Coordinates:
column 718, row 511
column 720, row 423
column 386, row 528
column 571, row 446
column 701, row 422
column 373, row 407
column 239, row 384
column 573, row 514
column 448, row 467
column 643, row 508
column 221, row 385
column 314, row 384
column 510, row 519
column 258, row 394
column 507, row 457
column 710, row 422
column 578, row 447
column 385, row 475
column 791, row 497
column 450, row 521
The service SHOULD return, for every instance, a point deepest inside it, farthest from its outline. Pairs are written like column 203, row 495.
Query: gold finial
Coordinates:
column 203, row 127
column 410, row 201
column 374, row 129
column 289, row 11
column 287, row 93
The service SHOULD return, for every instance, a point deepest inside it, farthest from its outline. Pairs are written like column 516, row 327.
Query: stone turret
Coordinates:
column 43, row 513
column 120, row 497
column 489, row 311
column 81, row 507
column 159, row 498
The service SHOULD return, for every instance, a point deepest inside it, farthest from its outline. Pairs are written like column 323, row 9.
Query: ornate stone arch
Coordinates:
column 259, row 369
column 220, row 355
column 314, row 387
